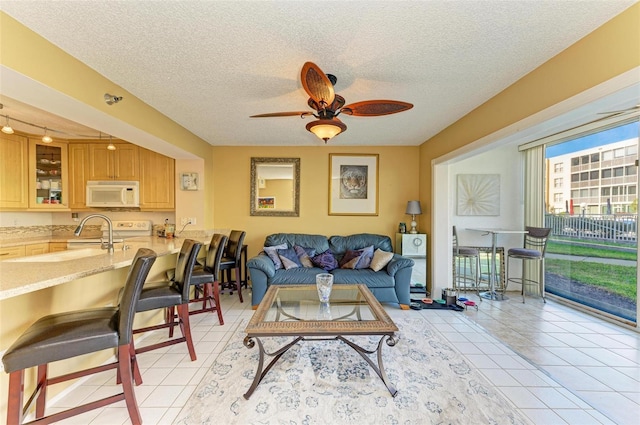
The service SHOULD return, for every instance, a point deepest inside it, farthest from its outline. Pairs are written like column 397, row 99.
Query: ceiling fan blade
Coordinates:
column 317, row 84
column 282, row 114
column 372, row 108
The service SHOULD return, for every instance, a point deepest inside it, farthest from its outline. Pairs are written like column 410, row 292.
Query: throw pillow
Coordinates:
column 380, row 260
column 289, row 258
column 326, row 261
column 348, row 257
column 365, row 258
column 304, row 255
column 272, row 252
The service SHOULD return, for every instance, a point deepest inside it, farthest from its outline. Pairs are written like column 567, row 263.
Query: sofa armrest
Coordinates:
column 398, row 262
column 263, row 263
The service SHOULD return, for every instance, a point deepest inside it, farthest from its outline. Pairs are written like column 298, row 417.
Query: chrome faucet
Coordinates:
column 109, row 223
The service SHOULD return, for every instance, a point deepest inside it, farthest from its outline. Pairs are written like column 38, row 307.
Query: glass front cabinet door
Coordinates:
column 48, row 175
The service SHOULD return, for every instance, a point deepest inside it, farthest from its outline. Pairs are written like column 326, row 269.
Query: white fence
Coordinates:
column 614, row 228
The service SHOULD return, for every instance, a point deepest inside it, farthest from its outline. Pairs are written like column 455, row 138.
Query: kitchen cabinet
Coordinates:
column 57, row 246
column 36, row 248
column 78, row 174
column 14, row 173
column 48, row 175
column 11, row 252
column 119, row 164
column 157, row 181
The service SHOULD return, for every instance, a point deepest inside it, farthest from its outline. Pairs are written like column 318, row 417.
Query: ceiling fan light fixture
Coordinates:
column 6, row 129
column 326, row 129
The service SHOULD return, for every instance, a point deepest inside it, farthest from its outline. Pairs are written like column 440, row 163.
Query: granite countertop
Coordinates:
column 27, row 274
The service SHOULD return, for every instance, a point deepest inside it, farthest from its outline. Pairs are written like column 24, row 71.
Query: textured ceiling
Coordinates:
column 209, row 65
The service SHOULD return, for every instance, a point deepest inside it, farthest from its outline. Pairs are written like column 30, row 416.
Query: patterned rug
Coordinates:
column 327, row 382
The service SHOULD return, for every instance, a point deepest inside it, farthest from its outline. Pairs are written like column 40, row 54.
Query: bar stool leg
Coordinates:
column 16, row 396
column 183, row 315
column 41, row 401
column 125, row 369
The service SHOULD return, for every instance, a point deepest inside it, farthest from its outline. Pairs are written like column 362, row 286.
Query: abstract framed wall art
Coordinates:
column 478, row 194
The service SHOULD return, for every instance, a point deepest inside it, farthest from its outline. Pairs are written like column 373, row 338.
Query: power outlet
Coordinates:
column 187, row 220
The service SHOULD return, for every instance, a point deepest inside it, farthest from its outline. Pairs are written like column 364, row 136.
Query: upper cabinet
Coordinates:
column 48, row 175
column 78, row 174
column 157, row 181
column 14, row 175
column 119, row 164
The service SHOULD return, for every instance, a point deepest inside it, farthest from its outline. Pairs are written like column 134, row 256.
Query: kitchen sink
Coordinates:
column 72, row 254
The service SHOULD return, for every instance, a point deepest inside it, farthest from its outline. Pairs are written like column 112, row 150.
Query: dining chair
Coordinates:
column 533, row 251
column 70, row 334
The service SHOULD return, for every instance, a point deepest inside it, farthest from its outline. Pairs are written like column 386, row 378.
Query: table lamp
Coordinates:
column 413, row 208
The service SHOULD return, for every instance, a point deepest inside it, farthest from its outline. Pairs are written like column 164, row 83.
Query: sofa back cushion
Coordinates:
column 340, row 244
column 318, row 242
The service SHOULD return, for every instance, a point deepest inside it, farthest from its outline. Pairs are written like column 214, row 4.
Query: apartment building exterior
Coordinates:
column 600, row 180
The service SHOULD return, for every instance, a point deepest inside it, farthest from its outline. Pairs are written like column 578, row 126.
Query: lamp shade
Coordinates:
column 413, row 208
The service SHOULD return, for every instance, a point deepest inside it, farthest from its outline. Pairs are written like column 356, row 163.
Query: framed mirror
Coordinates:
column 275, row 187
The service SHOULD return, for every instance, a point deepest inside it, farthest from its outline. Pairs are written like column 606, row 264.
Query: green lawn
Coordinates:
column 620, row 280
column 588, row 251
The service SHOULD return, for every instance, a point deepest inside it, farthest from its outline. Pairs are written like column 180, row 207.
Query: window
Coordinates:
column 632, row 150
column 605, row 191
column 575, row 193
column 593, row 192
column 606, row 173
column 584, row 159
column 584, row 193
column 630, row 170
column 575, row 177
column 618, row 172
column 594, row 175
column 584, row 176
column 631, row 190
column 558, row 167
column 557, row 183
column 575, row 161
column 595, row 157
column 618, row 153
column 557, row 197
column 607, row 155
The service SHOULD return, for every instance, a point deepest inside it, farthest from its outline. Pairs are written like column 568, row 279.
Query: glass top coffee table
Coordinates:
column 295, row 311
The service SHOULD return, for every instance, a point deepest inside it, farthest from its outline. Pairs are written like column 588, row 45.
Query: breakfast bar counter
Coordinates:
column 28, row 274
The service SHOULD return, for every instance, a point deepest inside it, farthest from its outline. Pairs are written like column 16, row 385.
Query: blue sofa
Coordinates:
column 391, row 284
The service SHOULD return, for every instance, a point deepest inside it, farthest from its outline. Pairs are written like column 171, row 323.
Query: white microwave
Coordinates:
column 113, row 194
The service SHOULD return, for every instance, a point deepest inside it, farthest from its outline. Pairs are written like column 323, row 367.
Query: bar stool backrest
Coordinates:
column 537, row 238
column 214, row 254
column 136, row 277
column 234, row 246
column 184, row 266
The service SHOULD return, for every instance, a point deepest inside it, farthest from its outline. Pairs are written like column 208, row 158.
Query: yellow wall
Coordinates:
column 398, row 172
column 281, row 190
column 609, row 51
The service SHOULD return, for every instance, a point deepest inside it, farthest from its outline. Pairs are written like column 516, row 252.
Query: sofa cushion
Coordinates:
column 357, row 259
column 326, row 261
column 380, row 260
column 340, row 244
column 300, row 275
column 318, row 242
column 289, row 258
column 272, row 252
column 365, row 276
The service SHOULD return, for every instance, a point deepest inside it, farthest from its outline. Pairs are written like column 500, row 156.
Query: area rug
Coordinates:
column 327, row 382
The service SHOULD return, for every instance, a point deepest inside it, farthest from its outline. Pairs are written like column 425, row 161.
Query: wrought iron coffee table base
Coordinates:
column 364, row 353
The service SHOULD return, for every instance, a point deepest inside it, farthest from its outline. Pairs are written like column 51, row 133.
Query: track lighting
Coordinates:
column 46, row 138
column 111, row 99
column 7, row 128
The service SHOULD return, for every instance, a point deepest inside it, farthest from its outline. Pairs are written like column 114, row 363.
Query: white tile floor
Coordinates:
column 556, row 365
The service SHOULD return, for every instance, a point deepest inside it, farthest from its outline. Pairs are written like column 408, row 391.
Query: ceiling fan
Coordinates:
column 327, row 105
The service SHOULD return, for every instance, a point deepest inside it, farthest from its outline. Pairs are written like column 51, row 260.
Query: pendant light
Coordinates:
column 7, row 128
column 111, row 146
column 46, row 138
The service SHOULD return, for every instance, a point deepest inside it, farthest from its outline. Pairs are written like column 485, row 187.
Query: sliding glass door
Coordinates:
column 591, row 205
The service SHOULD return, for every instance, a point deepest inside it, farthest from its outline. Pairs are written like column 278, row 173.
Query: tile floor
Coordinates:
column 556, row 365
